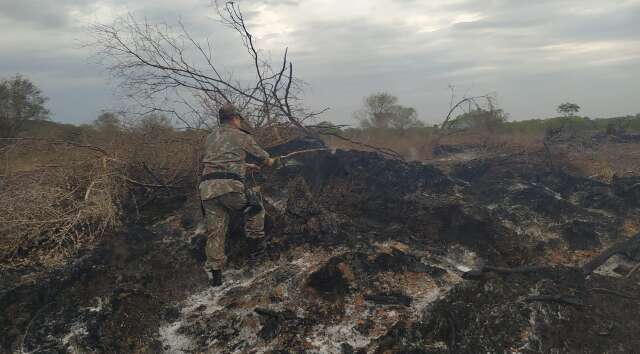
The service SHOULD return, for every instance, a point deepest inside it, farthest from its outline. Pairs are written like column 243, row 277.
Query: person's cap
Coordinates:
column 227, row 111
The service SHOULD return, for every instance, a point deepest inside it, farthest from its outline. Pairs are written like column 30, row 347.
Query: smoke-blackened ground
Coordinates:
column 365, row 255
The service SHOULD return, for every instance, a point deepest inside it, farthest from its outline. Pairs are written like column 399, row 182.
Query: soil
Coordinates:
column 365, row 255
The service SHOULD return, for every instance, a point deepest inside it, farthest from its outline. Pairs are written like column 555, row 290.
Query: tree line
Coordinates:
column 22, row 102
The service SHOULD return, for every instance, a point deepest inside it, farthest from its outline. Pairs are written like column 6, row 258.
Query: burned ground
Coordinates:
column 365, row 255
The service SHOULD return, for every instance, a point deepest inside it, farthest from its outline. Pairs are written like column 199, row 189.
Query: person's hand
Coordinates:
column 252, row 167
column 271, row 161
column 276, row 162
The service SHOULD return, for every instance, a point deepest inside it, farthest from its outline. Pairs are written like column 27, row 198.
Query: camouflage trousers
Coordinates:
column 217, row 213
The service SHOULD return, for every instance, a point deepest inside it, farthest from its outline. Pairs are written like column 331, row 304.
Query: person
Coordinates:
column 222, row 188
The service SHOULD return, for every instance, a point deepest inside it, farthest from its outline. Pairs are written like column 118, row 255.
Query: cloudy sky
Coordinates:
column 532, row 54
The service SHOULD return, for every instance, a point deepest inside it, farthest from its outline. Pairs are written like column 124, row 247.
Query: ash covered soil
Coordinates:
column 500, row 254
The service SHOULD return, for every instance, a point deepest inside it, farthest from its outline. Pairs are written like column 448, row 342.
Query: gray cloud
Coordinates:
column 533, row 54
column 616, row 22
column 47, row 14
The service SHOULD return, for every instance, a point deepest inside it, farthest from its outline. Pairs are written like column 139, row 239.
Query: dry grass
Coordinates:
column 52, row 213
column 59, row 198
column 606, row 161
column 418, row 145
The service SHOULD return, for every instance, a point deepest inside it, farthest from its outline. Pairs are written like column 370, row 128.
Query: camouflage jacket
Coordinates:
column 226, row 151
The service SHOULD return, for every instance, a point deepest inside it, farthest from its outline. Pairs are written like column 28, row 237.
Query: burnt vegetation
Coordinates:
column 476, row 235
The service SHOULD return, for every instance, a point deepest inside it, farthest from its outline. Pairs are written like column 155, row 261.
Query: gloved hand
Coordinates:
column 274, row 162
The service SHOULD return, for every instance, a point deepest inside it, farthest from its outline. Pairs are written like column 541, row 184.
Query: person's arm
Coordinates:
column 251, row 147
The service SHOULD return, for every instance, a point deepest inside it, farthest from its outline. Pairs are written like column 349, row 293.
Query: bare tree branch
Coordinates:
column 469, row 100
column 156, row 62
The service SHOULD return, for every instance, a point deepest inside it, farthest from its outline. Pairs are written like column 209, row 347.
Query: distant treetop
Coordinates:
column 20, row 100
column 568, row 109
column 381, row 110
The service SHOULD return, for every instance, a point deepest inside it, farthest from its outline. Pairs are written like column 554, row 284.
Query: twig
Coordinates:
column 148, row 184
column 135, row 203
column 613, row 292
column 479, row 273
column 633, row 270
column 328, row 127
column 26, row 333
column 385, row 151
column 452, row 333
column 156, row 178
column 88, row 192
column 562, row 299
column 301, row 152
column 524, row 269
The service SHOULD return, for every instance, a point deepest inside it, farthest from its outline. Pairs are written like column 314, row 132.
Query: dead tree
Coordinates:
column 478, row 103
column 162, row 67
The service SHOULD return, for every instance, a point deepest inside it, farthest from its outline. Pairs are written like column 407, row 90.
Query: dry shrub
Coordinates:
column 162, row 158
column 52, row 212
column 58, row 198
column 606, row 161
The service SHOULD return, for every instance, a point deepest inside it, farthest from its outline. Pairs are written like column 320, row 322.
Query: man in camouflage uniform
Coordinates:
column 222, row 189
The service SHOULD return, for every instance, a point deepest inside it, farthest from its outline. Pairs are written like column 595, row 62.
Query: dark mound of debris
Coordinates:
column 366, row 255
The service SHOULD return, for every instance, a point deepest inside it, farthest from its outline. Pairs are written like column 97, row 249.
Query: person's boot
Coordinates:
column 215, row 277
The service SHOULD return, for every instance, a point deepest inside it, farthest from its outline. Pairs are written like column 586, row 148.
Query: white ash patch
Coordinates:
column 517, row 187
column 100, row 303
column 463, row 259
column 328, row 339
column 202, row 304
column 72, row 339
column 460, row 156
column 609, row 267
column 174, row 342
column 532, row 228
